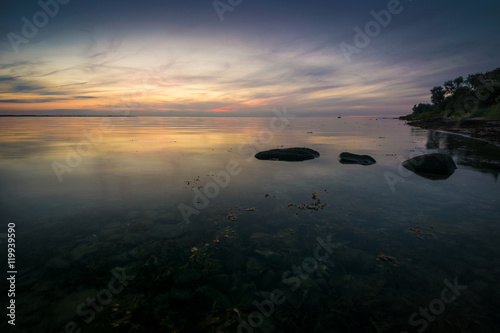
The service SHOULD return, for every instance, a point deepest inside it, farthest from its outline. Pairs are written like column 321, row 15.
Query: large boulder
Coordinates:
column 287, row 154
column 348, row 158
column 433, row 166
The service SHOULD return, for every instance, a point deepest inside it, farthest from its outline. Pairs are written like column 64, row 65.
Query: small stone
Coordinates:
column 349, row 158
column 287, row 154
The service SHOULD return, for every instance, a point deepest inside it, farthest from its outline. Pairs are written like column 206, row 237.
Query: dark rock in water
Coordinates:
column 234, row 261
column 287, row 154
column 187, row 279
column 348, row 158
column 268, row 280
column 180, row 294
column 167, row 231
column 355, row 260
column 206, row 296
column 221, row 282
column 270, row 256
column 243, row 290
column 432, row 166
column 261, row 239
column 255, row 267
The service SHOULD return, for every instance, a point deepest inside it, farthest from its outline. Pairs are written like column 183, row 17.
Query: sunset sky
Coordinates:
column 199, row 58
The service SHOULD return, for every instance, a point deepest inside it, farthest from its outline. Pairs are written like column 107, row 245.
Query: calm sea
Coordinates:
column 153, row 224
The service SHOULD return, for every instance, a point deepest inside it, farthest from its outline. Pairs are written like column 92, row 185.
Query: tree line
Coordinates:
column 463, row 96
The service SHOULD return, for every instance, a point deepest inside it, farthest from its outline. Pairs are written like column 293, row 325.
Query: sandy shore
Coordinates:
column 488, row 130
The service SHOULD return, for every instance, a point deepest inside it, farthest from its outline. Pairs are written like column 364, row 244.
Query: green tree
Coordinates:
column 437, row 96
column 422, row 108
column 461, row 96
column 458, row 82
column 474, row 81
column 449, row 87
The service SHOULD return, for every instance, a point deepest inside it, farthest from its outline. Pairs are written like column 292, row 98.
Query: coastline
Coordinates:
column 487, row 130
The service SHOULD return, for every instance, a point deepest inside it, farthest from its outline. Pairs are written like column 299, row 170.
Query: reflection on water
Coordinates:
column 476, row 154
column 278, row 247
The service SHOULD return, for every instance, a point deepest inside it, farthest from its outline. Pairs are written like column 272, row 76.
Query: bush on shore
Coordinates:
column 476, row 96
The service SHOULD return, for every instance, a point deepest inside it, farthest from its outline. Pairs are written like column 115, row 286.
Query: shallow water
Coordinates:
column 93, row 198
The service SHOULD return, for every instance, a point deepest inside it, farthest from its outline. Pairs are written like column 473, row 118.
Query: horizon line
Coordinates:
column 194, row 116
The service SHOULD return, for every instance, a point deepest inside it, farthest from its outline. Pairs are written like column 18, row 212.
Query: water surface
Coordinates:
column 91, row 197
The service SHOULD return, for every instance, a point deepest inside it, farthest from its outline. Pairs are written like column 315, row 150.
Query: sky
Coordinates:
column 238, row 57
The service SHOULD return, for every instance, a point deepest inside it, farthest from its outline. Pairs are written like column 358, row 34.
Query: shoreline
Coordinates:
column 486, row 130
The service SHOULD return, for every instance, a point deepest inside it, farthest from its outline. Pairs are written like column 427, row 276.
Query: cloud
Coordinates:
column 37, row 100
column 184, row 59
column 26, row 87
column 43, row 100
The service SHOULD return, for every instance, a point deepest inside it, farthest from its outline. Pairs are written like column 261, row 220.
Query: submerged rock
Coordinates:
column 57, row 263
column 268, row 280
column 255, row 267
column 167, row 231
column 432, row 166
column 261, row 239
column 187, row 279
column 83, row 250
column 269, row 256
column 206, row 297
column 287, row 154
column 349, row 158
column 64, row 311
column 234, row 261
column 182, row 295
column 243, row 290
column 221, row 282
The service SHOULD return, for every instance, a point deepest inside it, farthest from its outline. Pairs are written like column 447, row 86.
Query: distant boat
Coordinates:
column 339, row 117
